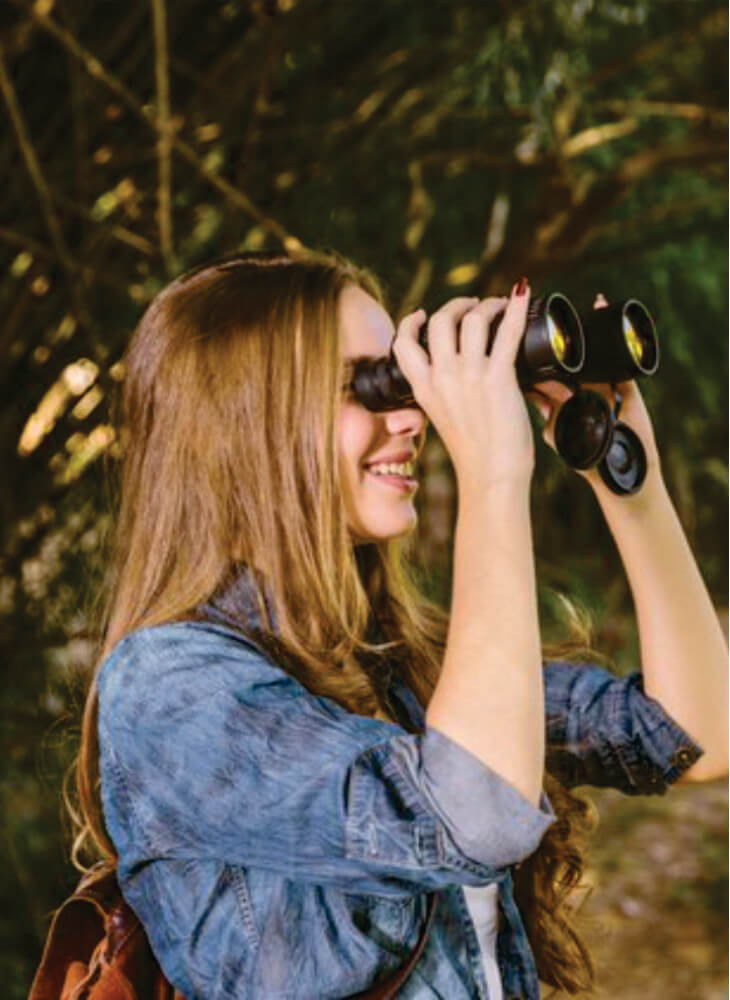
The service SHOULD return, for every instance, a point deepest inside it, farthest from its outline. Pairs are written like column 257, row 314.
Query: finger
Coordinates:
column 542, row 405
column 548, row 411
column 556, row 392
column 442, row 327
column 600, row 301
column 456, row 307
column 512, row 327
column 626, row 388
column 409, row 326
column 548, row 398
column 548, row 431
column 412, row 359
column 474, row 329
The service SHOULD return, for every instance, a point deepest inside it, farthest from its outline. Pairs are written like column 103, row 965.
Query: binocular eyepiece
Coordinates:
column 613, row 344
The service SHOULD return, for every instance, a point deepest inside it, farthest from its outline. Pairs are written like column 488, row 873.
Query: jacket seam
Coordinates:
column 236, row 875
column 125, row 794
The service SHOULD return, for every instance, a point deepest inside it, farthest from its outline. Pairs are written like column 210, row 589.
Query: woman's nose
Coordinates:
column 407, row 420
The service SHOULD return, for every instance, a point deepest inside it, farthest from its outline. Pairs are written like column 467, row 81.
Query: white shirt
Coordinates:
column 482, row 904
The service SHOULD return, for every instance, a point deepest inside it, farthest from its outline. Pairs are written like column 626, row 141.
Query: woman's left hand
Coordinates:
column 548, row 397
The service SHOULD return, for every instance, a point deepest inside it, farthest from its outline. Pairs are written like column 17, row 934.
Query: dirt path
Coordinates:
column 656, row 921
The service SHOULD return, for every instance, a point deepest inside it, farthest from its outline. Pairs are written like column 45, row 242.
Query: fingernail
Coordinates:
column 521, row 287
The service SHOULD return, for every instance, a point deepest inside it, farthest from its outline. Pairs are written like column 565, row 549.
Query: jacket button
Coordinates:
column 682, row 757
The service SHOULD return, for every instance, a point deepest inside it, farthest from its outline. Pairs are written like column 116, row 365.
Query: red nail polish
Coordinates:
column 521, row 286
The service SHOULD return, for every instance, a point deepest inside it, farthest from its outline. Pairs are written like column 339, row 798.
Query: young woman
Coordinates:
column 286, row 749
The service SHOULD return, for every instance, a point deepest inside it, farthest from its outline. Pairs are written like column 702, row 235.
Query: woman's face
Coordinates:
column 378, row 498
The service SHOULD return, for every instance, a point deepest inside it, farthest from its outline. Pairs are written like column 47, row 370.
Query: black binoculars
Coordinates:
column 613, row 344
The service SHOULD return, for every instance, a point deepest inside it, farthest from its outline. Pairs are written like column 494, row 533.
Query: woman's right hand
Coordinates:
column 473, row 399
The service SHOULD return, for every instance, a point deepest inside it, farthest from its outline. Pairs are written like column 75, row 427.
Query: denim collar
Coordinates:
column 234, row 604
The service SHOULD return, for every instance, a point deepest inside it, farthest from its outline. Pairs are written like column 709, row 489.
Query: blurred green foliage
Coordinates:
column 451, row 147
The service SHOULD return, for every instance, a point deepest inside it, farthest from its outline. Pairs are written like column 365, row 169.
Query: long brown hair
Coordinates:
column 228, row 414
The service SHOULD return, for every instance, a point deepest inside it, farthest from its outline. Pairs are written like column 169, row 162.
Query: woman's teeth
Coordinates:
column 392, row 469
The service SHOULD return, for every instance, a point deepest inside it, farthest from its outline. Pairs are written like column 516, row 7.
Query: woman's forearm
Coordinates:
column 683, row 651
column 489, row 697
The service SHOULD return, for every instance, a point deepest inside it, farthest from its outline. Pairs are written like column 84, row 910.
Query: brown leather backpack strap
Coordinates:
column 388, row 989
column 76, row 929
column 163, row 990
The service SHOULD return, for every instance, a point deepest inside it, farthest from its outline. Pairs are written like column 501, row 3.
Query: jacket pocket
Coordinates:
column 385, row 921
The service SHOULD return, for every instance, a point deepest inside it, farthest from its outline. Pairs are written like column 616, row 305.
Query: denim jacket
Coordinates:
column 278, row 847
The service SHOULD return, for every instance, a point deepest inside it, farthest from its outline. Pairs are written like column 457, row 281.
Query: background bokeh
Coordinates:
column 450, row 146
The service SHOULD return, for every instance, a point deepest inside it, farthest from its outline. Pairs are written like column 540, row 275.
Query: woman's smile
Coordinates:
column 406, row 484
column 377, row 451
column 396, row 474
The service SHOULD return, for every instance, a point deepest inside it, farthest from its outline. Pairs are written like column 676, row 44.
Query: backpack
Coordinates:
column 96, row 949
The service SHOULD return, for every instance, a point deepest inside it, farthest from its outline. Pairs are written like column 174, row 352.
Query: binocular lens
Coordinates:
column 620, row 456
column 553, row 344
column 565, row 333
column 558, row 340
column 583, row 430
column 623, row 469
column 640, row 337
column 633, row 340
column 621, row 343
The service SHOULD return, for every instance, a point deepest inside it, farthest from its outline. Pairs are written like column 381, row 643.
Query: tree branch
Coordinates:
column 576, row 211
column 164, row 149
column 477, row 158
column 654, row 240
column 80, row 120
column 570, row 229
column 261, row 97
column 712, row 25
column 666, row 109
column 42, row 191
column 596, row 135
column 117, row 232
column 622, row 228
column 93, row 66
column 13, row 238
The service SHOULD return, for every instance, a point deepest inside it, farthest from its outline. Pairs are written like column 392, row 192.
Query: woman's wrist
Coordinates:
column 652, row 493
column 477, row 488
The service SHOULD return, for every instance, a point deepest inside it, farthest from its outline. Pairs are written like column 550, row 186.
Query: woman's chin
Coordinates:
column 384, row 529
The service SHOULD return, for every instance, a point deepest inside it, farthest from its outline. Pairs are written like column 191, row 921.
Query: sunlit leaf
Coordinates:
column 462, row 274
column 21, row 263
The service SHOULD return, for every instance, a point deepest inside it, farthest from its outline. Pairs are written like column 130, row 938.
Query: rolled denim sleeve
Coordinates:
column 208, row 750
column 603, row 730
column 481, row 821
